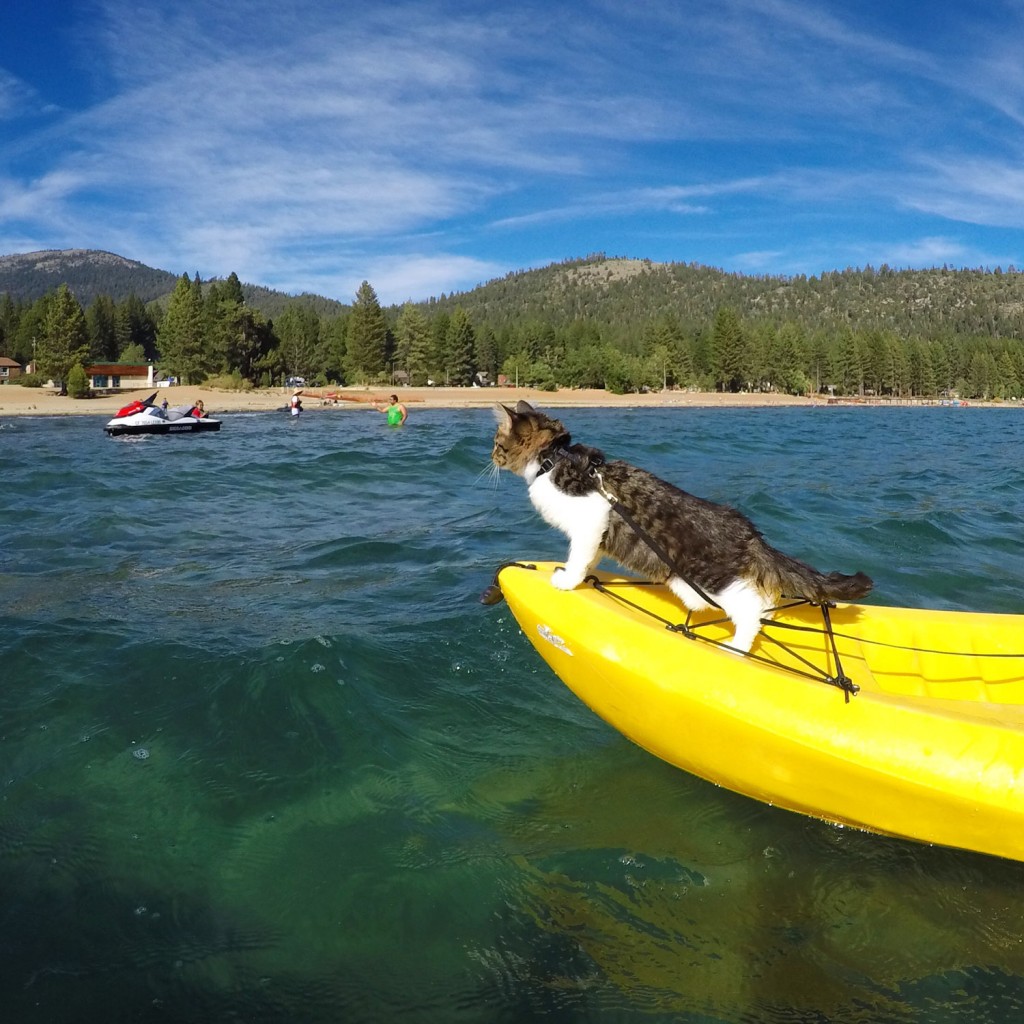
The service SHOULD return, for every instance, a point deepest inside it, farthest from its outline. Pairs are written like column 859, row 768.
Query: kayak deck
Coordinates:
column 904, row 652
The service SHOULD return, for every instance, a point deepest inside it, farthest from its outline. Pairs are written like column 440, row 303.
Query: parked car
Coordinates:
column 295, row 382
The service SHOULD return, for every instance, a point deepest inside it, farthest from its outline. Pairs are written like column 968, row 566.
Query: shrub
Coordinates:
column 78, row 383
column 229, row 382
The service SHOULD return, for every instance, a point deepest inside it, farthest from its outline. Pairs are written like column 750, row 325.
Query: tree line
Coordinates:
column 208, row 331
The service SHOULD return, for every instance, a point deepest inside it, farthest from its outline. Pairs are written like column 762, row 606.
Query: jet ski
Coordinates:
column 143, row 416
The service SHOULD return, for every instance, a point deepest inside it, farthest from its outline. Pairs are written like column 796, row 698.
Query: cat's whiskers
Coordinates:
column 493, row 474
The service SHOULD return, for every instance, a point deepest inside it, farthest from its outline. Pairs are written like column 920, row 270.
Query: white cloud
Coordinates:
column 414, row 277
column 36, row 199
column 972, row 190
column 923, row 252
column 14, row 96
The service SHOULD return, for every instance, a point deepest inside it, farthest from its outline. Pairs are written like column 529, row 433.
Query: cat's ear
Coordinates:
column 523, row 406
column 503, row 414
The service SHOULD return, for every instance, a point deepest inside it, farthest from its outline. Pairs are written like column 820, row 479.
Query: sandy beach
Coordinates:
column 20, row 401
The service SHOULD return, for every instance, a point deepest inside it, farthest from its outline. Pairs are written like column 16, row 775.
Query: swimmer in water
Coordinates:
column 395, row 412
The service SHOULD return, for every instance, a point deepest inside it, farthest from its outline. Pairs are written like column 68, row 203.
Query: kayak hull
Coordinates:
column 930, row 748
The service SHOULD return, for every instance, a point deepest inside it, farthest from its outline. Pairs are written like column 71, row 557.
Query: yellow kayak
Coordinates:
column 901, row 721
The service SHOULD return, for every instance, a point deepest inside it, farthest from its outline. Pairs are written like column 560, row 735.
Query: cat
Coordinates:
column 715, row 547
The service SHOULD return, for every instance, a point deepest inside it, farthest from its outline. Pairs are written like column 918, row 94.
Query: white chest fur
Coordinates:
column 570, row 514
column 583, row 519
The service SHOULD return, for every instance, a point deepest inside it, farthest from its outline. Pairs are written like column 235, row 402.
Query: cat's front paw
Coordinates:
column 564, row 580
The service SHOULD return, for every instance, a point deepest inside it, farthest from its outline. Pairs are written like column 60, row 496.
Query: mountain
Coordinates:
column 87, row 273
column 91, row 272
column 620, row 294
column 272, row 304
column 632, row 292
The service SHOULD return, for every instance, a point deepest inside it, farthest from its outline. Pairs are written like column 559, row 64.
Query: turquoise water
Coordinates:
column 264, row 757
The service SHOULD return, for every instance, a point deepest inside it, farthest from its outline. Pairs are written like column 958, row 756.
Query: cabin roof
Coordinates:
column 119, row 369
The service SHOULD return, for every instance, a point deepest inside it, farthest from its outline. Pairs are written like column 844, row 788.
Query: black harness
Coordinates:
column 593, row 470
column 560, row 451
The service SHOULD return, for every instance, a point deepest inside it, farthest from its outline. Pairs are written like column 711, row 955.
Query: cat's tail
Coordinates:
column 789, row 577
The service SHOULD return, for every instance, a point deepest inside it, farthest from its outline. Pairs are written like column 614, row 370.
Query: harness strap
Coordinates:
column 549, row 462
column 840, row 679
column 618, row 508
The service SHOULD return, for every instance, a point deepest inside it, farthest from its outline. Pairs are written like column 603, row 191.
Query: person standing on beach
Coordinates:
column 395, row 412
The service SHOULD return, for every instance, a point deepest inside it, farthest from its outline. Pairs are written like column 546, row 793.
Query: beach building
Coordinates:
column 119, row 376
column 9, row 369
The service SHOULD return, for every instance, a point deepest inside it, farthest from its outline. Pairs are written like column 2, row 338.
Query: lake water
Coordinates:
column 265, row 758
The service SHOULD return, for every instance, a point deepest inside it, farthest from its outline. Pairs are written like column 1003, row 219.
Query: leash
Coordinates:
column 594, row 472
column 839, row 679
column 619, row 509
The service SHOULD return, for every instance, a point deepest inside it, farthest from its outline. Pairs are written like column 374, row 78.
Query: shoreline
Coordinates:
column 20, row 401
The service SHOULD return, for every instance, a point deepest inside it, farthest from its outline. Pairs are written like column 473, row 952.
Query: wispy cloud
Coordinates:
column 974, row 190
column 429, row 142
column 15, row 96
column 925, row 252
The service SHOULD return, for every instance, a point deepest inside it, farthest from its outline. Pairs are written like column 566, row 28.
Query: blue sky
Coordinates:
column 428, row 147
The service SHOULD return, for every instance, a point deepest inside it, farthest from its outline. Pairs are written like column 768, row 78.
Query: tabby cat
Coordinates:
column 712, row 546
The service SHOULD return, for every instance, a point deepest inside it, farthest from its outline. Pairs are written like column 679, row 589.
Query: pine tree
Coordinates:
column 682, row 365
column 878, row 362
column 436, row 349
column 9, row 317
column 412, row 344
column 366, row 348
column 101, row 320
column 30, row 328
column 64, row 339
column 135, row 326
column 791, row 355
column 922, row 372
column 298, row 328
column 241, row 337
column 487, row 357
column 182, row 334
column 333, row 335
column 665, row 342
column 900, row 362
column 730, row 351
column 460, row 361
column 981, row 374
column 848, row 365
column 941, row 365
column 1017, row 358
column 231, row 290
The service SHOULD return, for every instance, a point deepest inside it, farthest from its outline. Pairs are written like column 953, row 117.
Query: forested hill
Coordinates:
column 623, row 294
column 87, row 273
column 936, row 302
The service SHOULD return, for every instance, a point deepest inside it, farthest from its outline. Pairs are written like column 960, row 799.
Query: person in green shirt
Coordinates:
column 395, row 412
